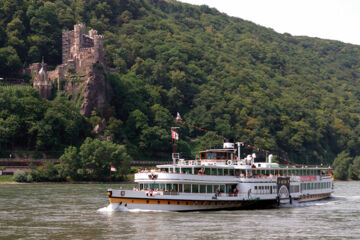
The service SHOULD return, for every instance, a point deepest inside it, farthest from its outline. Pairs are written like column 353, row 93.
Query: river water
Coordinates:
column 78, row 211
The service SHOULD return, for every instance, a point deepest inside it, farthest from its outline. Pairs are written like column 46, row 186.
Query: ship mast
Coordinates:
column 174, row 136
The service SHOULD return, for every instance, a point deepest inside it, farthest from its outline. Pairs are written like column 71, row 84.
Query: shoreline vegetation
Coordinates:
column 8, row 179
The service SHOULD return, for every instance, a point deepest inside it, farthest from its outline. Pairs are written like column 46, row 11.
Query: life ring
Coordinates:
column 229, row 162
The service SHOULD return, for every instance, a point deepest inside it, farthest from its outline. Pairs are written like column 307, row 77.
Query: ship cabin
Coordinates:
column 221, row 165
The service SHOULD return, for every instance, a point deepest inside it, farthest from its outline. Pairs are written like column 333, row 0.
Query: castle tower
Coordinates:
column 99, row 48
column 79, row 31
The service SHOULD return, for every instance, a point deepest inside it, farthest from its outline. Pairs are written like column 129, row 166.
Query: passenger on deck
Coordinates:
column 217, row 193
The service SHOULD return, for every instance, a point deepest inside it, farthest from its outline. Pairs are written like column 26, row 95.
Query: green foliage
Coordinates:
column 28, row 120
column 6, row 178
column 46, row 173
column 93, row 159
column 341, row 165
column 9, row 61
column 355, row 174
column 19, row 176
column 295, row 96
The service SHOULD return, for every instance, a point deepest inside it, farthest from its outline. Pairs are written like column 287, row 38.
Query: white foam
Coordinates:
column 113, row 208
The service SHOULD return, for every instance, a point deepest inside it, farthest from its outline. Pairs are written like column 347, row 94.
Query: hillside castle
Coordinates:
column 80, row 51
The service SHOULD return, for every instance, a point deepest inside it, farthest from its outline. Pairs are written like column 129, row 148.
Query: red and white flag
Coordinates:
column 112, row 168
column 178, row 117
column 174, row 135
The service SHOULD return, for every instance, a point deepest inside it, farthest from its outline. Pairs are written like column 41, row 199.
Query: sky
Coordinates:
column 327, row 19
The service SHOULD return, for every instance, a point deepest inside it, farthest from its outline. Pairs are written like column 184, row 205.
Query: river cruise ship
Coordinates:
column 219, row 179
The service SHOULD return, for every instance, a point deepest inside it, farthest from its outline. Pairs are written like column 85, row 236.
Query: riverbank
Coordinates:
column 7, row 179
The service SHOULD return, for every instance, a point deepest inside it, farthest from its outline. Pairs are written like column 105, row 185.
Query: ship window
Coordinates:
column 168, row 187
column 146, row 186
column 180, row 187
column 209, row 189
column 231, row 172
column 210, row 155
column 141, row 186
column 162, row 186
column 203, row 188
column 154, row 186
column 187, row 188
column 226, row 172
column 195, row 188
column 222, row 188
column 175, row 187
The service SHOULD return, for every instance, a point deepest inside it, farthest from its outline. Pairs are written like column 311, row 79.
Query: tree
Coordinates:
column 96, row 157
column 70, row 164
column 9, row 61
column 341, row 165
column 355, row 174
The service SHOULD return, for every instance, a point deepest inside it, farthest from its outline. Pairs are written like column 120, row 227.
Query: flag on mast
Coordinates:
column 178, row 117
column 112, row 168
column 174, row 135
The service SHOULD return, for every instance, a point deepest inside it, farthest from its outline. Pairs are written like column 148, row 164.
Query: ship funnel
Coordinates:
column 270, row 158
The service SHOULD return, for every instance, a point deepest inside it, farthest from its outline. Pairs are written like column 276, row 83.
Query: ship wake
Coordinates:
column 111, row 208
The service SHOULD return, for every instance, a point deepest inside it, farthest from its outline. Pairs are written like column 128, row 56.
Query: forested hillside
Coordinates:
column 298, row 97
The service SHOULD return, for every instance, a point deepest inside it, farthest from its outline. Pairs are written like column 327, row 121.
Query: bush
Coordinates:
column 19, row 176
column 36, row 175
column 29, row 178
